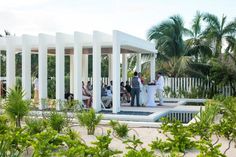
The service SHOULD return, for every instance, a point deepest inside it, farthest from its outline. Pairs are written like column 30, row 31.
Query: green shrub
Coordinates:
column 35, row 126
column 121, row 130
column 3, row 124
column 15, row 107
column 89, row 119
column 57, row 121
column 102, row 146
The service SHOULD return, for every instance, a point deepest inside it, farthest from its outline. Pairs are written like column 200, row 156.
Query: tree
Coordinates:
column 196, row 45
column 217, row 30
column 168, row 37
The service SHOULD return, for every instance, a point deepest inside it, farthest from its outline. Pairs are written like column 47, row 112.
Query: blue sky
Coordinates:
column 132, row 16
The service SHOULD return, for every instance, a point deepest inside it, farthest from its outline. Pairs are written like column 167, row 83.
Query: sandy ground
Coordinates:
column 146, row 135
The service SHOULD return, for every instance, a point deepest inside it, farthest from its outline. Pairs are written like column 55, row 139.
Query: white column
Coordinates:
column 85, row 68
column 60, row 69
column 26, row 67
column 116, row 72
column 152, row 68
column 124, row 68
column 138, row 63
column 96, row 72
column 43, row 71
column 78, row 50
column 110, row 67
column 72, row 73
column 11, row 63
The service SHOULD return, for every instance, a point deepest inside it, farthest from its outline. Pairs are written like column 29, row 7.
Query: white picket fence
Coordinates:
column 186, row 84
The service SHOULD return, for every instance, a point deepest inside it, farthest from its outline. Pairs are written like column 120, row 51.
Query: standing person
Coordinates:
column 160, row 87
column 36, row 89
column 141, row 95
column 135, row 89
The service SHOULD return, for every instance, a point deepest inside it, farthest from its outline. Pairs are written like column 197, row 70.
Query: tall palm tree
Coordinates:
column 217, row 30
column 168, row 36
column 196, row 45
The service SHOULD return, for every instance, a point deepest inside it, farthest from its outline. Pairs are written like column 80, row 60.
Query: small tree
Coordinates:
column 16, row 108
column 89, row 119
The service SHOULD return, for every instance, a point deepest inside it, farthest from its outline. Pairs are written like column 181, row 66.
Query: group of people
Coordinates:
column 128, row 92
column 137, row 84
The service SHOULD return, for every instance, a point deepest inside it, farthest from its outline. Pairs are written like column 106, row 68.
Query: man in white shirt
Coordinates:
column 160, row 87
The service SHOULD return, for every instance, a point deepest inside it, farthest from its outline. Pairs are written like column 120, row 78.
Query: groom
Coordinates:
column 160, row 87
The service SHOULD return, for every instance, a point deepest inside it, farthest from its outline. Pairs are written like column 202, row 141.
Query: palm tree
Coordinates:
column 196, row 45
column 168, row 36
column 217, row 30
column 15, row 107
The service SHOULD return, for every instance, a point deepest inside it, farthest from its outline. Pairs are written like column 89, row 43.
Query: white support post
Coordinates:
column 60, row 70
column 96, row 72
column 152, row 68
column 26, row 67
column 116, row 72
column 11, row 63
column 110, row 67
column 85, row 68
column 138, row 63
column 78, row 50
column 124, row 68
column 72, row 73
column 43, row 71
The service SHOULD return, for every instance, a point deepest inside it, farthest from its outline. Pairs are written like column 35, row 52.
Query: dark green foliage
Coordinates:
column 89, row 119
column 57, row 121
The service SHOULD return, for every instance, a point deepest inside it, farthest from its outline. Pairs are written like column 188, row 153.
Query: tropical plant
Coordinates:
column 179, row 141
column 133, row 145
column 217, row 30
column 35, row 126
column 168, row 37
column 57, row 121
column 196, row 45
column 15, row 107
column 101, row 148
column 89, row 119
column 121, row 130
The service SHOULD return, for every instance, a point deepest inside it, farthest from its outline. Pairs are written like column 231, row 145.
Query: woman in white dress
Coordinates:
column 143, row 94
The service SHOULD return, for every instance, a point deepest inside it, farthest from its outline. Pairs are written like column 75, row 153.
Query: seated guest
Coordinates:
column 86, row 97
column 69, row 96
column 128, row 89
column 109, row 93
column 105, row 98
column 89, row 87
column 123, row 92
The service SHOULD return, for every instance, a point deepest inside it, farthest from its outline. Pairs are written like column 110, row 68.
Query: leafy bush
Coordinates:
column 102, row 146
column 57, row 121
column 89, row 119
column 179, row 141
column 133, row 144
column 46, row 143
column 15, row 107
column 3, row 124
column 35, row 126
column 121, row 130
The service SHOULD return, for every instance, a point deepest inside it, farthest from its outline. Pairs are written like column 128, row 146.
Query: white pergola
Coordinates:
column 78, row 46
